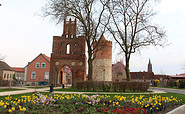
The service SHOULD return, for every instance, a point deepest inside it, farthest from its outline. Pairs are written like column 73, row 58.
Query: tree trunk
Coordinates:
column 127, row 69
column 89, row 71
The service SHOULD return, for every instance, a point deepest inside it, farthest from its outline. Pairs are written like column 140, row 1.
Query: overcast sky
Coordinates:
column 24, row 35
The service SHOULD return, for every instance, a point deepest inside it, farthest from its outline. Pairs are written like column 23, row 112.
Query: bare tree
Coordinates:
column 2, row 58
column 132, row 28
column 91, row 16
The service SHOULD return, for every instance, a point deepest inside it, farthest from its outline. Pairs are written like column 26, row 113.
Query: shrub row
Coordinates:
column 181, row 83
column 171, row 84
column 156, row 83
column 4, row 82
column 107, row 86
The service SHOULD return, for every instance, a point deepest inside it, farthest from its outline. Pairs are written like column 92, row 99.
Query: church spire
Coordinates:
column 149, row 66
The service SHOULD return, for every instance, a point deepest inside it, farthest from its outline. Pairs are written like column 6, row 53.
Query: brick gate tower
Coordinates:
column 102, row 64
column 69, row 50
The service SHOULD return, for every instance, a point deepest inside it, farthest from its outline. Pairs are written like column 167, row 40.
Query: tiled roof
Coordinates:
column 182, row 74
column 142, row 75
column 158, row 76
column 4, row 66
column 177, row 76
column 48, row 58
column 18, row 69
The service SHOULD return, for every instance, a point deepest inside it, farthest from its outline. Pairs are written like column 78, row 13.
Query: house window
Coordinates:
column 33, row 75
column 10, row 76
column 71, row 36
column 7, row 76
column 66, row 36
column 43, row 65
column 46, row 76
column 37, row 65
column 4, row 76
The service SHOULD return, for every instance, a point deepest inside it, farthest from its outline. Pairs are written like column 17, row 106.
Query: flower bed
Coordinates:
column 79, row 103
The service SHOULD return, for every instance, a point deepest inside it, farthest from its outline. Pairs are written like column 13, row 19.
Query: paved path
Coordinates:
column 25, row 90
column 168, row 90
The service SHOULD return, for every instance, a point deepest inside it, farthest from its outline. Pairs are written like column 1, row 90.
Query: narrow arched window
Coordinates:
column 68, row 49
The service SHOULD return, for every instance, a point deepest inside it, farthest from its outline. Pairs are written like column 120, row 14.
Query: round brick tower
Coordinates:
column 102, row 64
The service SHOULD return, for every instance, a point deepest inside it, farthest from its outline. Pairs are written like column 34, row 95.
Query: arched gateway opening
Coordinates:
column 65, row 76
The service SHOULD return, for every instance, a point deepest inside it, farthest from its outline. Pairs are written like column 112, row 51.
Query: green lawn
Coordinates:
column 37, row 87
column 9, row 89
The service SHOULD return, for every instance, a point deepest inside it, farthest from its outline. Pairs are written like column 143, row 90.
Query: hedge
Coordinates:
column 107, row 86
column 4, row 82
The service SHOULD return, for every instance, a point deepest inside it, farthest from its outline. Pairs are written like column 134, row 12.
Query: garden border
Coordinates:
column 178, row 110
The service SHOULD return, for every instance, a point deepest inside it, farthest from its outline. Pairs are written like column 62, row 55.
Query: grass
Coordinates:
column 9, row 89
column 37, row 87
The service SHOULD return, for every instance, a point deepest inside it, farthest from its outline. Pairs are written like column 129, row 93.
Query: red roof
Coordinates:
column 177, row 76
column 18, row 69
column 48, row 58
column 182, row 74
column 142, row 75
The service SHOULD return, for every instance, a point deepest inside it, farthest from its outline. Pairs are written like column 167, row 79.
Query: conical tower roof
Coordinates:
column 103, row 38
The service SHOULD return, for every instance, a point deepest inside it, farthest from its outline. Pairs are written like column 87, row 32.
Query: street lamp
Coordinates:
column 104, row 75
column 56, row 63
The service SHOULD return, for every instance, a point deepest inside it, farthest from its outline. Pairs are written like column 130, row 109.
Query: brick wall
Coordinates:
column 40, row 72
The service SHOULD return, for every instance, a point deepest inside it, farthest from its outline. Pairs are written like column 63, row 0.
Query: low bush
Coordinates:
column 180, row 83
column 171, row 84
column 156, row 83
column 107, row 86
column 4, row 83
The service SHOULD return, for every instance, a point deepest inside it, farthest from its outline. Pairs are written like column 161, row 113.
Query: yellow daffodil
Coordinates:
column 5, row 106
column 9, row 110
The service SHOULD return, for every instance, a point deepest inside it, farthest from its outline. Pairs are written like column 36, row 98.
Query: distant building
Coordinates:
column 118, row 72
column 142, row 76
column 6, row 72
column 149, row 66
column 19, row 74
column 177, row 77
column 149, row 76
column 37, row 70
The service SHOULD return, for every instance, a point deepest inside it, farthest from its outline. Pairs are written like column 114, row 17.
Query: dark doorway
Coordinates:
column 61, row 74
